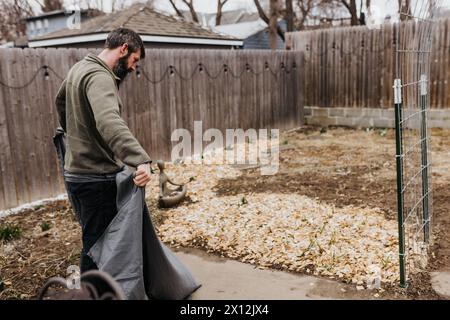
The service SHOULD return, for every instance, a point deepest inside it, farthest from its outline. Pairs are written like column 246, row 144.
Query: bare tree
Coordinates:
column 190, row 4
column 116, row 5
column 51, row 5
column 351, row 7
column 273, row 24
column 328, row 11
column 266, row 19
column 404, row 9
column 305, row 7
column 306, row 12
column 289, row 16
column 12, row 14
column 85, row 4
column 177, row 11
column 220, row 4
column 151, row 3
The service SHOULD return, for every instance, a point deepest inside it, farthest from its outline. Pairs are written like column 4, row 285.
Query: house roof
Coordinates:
column 55, row 13
column 46, row 14
column 143, row 20
column 239, row 16
column 242, row 30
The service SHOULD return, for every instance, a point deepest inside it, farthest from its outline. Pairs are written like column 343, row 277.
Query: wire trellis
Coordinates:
column 413, row 42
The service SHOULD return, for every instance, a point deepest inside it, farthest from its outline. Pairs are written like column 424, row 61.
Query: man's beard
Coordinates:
column 120, row 69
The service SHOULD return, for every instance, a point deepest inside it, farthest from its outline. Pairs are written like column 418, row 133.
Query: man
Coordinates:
column 98, row 140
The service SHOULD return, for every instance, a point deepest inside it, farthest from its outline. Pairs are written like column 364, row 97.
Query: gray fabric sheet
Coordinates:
column 132, row 254
column 130, row 251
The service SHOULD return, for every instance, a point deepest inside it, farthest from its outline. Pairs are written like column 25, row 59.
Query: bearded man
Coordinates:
column 99, row 142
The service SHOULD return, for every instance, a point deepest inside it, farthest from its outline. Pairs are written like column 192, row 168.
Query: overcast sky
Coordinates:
column 164, row 5
column 382, row 7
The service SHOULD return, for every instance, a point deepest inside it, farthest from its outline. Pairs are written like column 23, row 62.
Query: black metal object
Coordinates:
column 399, row 164
column 59, row 140
column 424, row 151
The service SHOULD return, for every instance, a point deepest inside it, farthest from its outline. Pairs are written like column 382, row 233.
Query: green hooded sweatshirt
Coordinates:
column 89, row 108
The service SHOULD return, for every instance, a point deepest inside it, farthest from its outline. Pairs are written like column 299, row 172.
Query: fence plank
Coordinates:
column 7, row 174
column 28, row 164
column 364, row 75
column 13, row 118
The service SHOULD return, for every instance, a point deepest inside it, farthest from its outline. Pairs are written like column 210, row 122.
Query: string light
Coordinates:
column 172, row 70
column 138, row 72
column 46, row 74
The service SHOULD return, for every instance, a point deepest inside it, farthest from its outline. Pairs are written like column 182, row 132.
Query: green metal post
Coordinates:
column 399, row 159
column 424, row 147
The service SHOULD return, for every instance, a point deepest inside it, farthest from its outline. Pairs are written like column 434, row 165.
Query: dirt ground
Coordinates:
column 341, row 167
column 353, row 168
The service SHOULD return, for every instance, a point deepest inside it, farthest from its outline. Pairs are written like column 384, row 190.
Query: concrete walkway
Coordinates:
column 441, row 283
column 232, row 280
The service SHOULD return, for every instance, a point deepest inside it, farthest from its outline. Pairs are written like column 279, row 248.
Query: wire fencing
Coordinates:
column 413, row 47
column 354, row 66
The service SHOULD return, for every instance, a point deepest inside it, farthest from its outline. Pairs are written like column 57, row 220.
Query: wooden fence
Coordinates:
column 354, row 66
column 224, row 89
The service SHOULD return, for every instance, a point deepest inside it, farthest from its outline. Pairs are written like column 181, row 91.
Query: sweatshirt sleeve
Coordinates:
column 60, row 102
column 102, row 95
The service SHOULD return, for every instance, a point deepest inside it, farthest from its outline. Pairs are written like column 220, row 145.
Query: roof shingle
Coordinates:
column 142, row 20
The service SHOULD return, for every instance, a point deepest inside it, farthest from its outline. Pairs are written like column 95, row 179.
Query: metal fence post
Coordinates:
column 424, row 151
column 399, row 160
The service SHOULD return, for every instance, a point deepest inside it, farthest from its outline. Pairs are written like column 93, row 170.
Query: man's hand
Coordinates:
column 142, row 175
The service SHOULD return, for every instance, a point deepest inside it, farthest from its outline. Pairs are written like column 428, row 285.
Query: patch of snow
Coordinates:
column 30, row 205
column 241, row 30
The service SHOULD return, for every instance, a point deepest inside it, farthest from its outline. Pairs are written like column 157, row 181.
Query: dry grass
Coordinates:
column 329, row 211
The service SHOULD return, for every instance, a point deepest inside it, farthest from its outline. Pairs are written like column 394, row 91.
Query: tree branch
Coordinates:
column 346, row 4
column 220, row 5
column 290, row 15
column 190, row 4
column 261, row 12
column 264, row 17
column 178, row 12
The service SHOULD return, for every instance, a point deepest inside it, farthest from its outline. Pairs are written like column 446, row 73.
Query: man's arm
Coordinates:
column 60, row 102
column 102, row 96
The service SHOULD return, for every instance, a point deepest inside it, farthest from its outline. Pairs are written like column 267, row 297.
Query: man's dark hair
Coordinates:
column 119, row 36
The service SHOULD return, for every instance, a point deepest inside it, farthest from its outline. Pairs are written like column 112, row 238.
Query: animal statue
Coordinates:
column 169, row 197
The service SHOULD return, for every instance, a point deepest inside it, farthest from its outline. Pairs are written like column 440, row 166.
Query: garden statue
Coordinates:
column 168, row 197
